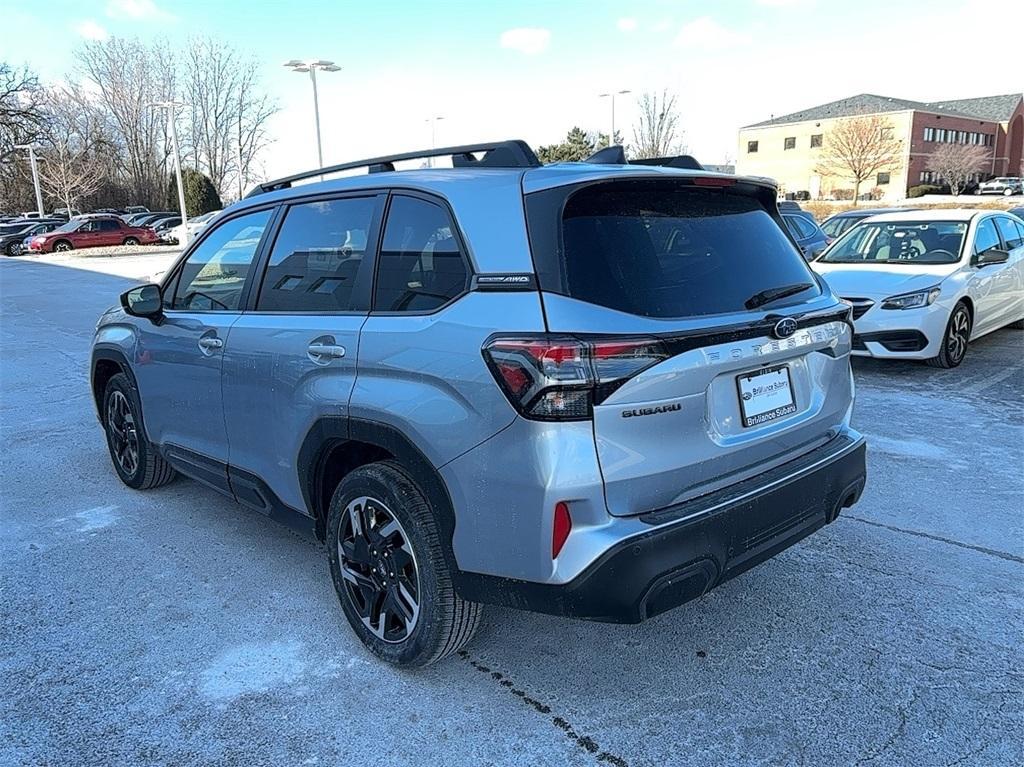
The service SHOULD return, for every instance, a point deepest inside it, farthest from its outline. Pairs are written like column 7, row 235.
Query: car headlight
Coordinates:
column 913, row 300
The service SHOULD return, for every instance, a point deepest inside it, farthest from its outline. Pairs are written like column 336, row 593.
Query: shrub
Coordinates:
column 842, row 194
column 877, row 193
column 200, row 193
column 922, row 189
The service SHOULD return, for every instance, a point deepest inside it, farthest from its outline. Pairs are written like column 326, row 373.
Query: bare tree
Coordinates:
column 857, row 148
column 657, row 134
column 21, row 115
column 229, row 113
column 128, row 77
column 954, row 164
column 76, row 152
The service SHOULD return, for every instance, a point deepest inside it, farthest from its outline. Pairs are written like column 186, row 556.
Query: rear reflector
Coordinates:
column 561, row 528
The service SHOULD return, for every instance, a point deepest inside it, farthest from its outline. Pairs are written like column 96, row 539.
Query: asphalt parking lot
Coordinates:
column 174, row 627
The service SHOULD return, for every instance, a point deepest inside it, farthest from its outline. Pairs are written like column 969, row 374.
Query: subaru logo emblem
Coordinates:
column 784, row 328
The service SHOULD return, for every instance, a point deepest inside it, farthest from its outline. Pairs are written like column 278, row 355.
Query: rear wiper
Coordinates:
column 774, row 294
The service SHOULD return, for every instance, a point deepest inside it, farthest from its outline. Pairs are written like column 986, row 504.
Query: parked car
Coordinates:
column 1005, row 185
column 91, row 233
column 807, row 233
column 836, row 225
column 145, row 219
column 925, row 283
column 132, row 209
column 183, row 233
column 64, row 213
column 12, row 236
column 557, row 403
column 165, row 224
column 1018, row 212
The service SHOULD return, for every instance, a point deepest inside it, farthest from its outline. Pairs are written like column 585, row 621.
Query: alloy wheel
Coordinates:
column 124, row 437
column 379, row 567
column 958, row 336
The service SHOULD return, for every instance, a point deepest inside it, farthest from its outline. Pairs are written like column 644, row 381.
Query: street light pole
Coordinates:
column 312, row 66
column 433, row 137
column 171, row 107
column 35, row 175
column 612, row 95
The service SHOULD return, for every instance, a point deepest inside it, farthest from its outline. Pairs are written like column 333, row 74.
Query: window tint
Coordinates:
column 985, row 238
column 900, row 242
column 800, row 227
column 213, row 276
column 661, row 249
column 1010, row 231
column 316, row 256
column 108, row 226
column 421, row 267
column 836, row 226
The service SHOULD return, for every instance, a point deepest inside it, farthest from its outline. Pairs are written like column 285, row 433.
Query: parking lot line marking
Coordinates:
column 982, row 549
column 585, row 742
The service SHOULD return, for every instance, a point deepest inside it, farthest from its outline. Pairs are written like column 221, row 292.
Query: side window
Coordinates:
column 800, row 228
column 109, row 226
column 1010, row 231
column 985, row 238
column 317, row 256
column 421, row 267
column 212, row 278
column 88, row 226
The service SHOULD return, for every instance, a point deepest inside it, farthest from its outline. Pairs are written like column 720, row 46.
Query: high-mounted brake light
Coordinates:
column 562, row 377
column 714, row 181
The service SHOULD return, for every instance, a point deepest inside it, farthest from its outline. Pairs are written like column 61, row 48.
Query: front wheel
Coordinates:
column 131, row 241
column 63, row 246
column 12, row 249
column 135, row 460
column 390, row 571
column 955, row 339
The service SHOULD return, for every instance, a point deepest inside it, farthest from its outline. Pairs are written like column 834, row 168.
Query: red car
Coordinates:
column 92, row 233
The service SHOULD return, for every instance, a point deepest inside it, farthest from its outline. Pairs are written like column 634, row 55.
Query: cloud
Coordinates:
column 90, row 30
column 705, row 32
column 784, row 3
column 626, row 25
column 139, row 10
column 528, row 40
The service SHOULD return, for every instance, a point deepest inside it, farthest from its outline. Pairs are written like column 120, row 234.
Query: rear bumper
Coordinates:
column 698, row 545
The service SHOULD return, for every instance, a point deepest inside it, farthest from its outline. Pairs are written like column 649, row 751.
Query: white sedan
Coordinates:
column 925, row 283
column 183, row 234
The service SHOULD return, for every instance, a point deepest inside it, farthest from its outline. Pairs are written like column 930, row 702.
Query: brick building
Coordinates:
column 788, row 148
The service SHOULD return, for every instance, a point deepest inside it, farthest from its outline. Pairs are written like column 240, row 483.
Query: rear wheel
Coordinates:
column 390, row 572
column 131, row 241
column 135, row 460
column 955, row 339
column 62, row 246
column 12, row 249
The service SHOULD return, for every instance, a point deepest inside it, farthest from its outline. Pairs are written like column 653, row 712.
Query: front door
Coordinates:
column 992, row 286
column 291, row 359
column 178, row 359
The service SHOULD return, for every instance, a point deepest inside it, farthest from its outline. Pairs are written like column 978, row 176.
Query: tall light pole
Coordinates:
column 35, row 174
column 172, row 108
column 433, row 136
column 312, row 66
column 612, row 95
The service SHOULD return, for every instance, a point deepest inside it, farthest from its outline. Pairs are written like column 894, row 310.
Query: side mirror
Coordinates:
column 991, row 256
column 143, row 301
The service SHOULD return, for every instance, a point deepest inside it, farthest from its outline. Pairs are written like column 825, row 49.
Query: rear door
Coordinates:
column 1011, row 277
column 755, row 367
column 291, row 358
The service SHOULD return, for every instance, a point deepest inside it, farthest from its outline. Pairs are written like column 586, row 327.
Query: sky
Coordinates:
column 532, row 70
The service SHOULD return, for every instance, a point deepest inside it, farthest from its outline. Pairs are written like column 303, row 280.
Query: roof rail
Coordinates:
column 499, row 154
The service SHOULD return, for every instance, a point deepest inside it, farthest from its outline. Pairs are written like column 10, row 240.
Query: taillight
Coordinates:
column 561, row 378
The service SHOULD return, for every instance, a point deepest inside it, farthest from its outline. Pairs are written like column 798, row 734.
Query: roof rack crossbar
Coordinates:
column 499, row 154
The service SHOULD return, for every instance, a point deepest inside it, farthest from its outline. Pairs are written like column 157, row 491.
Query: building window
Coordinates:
column 929, row 134
column 789, row 142
column 883, row 178
column 885, row 133
column 816, row 141
column 988, row 139
column 751, row 147
column 940, row 134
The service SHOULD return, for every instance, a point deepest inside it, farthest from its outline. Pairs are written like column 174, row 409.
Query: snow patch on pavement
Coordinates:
column 253, row 668
column 909, row 448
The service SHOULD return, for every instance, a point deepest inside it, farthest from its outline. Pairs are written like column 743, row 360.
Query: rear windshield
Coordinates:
column 665, row 249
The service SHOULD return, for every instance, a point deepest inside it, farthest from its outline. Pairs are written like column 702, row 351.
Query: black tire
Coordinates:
column 135, row 460
column 442, row 622
column 11, row 249
column 955, row 339
column 131, row 240
column 63, row 246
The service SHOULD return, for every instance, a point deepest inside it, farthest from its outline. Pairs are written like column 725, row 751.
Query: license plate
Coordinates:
column 765, row 395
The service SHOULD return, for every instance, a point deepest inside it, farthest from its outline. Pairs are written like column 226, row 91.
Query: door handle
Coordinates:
column 209, row 343
column 332, row 351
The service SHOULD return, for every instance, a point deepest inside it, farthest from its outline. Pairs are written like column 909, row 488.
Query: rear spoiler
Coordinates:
column 616, row 155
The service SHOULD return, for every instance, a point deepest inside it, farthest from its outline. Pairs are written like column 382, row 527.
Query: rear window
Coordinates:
column 665, row 249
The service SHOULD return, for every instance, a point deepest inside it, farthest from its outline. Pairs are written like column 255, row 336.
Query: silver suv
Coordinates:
column 590, row 389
